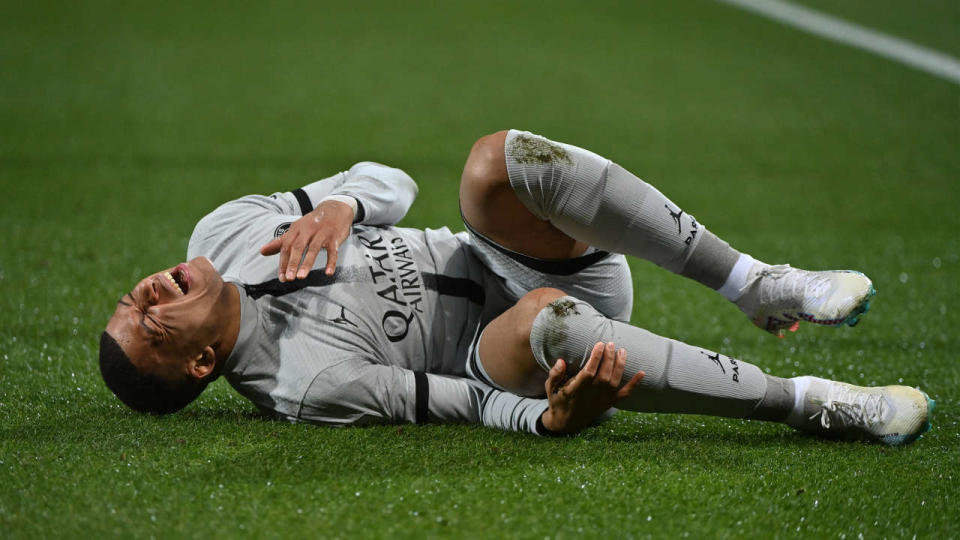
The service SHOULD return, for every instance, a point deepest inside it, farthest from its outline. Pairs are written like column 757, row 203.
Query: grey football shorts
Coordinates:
column 599, row 278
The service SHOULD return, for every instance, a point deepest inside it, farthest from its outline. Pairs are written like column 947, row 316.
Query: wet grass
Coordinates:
column 121, row 126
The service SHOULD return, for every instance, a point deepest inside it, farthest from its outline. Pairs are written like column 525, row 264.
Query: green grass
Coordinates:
column 121, row 125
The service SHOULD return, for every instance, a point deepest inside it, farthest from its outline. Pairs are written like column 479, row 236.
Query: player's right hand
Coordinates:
column 574, row 403
column 326, row 227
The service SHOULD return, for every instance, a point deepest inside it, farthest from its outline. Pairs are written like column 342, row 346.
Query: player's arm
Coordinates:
column 356, row 391
column 360, row 392
column 233, row 231
column 368, row 193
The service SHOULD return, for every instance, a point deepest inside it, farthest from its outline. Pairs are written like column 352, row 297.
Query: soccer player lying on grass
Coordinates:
column 519, row 323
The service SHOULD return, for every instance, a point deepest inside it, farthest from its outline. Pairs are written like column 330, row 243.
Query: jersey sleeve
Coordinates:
column 383, row 194
column 232, row 234
column 359, row 392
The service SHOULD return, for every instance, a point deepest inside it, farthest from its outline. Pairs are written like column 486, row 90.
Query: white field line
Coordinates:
column 829, row 27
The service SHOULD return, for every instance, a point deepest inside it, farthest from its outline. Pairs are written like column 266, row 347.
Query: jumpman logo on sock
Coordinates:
column 675, row 216
column 716, row 360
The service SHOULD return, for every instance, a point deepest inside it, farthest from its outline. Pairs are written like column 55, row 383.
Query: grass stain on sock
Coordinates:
column 530, row 149
column 563, row 308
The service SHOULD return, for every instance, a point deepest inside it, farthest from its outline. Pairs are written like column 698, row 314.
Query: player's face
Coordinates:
column 169, row 318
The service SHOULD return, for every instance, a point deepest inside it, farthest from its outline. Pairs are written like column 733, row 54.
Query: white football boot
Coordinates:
column 893, row 415
column 779, row 297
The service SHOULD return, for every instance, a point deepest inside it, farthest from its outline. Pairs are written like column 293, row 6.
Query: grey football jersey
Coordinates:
column 384, row 339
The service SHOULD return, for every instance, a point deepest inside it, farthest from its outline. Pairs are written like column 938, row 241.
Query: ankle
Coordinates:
column 801, row 385
column 732, row 288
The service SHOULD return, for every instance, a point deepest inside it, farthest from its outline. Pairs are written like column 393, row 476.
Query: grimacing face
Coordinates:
column 167, row 325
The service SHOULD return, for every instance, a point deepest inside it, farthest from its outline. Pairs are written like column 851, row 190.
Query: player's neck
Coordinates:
column 230, row 329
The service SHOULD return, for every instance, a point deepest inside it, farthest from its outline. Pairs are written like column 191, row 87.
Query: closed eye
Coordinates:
column 155, row 334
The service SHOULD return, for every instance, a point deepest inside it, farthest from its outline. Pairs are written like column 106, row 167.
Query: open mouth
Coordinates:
column 179, row 279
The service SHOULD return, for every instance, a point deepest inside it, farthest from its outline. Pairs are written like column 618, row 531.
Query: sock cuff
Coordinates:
column 779, row 400
column 710, row 260
column 800, row 387
column 737, row 278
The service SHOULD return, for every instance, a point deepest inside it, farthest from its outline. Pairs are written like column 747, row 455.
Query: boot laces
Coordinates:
column 787, row 283
column 847, row 406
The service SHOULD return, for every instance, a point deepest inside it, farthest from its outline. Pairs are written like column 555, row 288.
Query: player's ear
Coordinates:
column 202, row 365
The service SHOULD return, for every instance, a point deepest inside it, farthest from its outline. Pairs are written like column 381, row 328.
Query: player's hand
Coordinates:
column 576, row 402
column 326, row 227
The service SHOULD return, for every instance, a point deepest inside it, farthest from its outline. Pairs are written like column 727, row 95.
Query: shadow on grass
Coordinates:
column 214, row 439
column 91, row 422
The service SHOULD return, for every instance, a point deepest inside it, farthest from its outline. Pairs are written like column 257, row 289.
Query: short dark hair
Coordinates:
column 139, row 391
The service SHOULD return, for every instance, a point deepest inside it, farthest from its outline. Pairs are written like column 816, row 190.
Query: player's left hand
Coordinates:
column 576, row 402
column 326, row 227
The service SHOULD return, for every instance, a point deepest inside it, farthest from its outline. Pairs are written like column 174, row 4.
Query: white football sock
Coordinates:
column 732, row 288
column 800, row 387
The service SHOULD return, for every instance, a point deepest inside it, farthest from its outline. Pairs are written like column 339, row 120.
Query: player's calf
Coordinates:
column 681, row 378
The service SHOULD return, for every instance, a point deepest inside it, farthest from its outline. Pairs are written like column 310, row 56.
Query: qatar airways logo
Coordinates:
column 397, row 280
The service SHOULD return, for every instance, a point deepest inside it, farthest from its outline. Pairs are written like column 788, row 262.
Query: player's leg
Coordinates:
column 504, row 346
column 680, row 378
column 585, row 197
column 491, row 207
column 546, row 325
column 552, row 200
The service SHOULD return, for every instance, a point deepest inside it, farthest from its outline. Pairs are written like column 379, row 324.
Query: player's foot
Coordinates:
column 779, row 297
column 894, row 415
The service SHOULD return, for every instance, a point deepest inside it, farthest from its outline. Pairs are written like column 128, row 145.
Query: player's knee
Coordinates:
column 534, row 301
column 530, row 305
column 486, row 166
column 489, row 148
column 539, row 298
column 564, row 328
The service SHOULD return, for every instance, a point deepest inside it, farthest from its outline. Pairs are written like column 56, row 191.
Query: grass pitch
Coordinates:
column 121, row 125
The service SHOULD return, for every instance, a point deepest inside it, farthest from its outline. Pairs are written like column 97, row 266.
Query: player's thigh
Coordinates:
column 490, row 206
column 504, row 348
